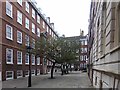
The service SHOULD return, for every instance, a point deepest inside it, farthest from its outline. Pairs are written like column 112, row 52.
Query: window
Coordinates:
column 26, row 58
column 9, row 32
column 50, row 31
column 19, row 37
column 33, row 28
column 85, row 42
column 26, row 40
column 33, row 72
column 33, row 13
column 19, row 73
column 26, row 73
column 8, row 9
column 19, row 57
column 33, row 59
column 81, row 57
column 38, row 72
column 9, row 56
column 27, row 23
column 27, row 7
column 43, row 24
column 38, row 61
column 9, row 75
column 19, row 17
column 81, row 50
column 33, row 43
column 38, row 32
column 38, row 19
column 20, row 2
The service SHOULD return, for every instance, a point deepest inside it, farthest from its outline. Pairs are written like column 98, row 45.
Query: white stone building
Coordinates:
column 104, row 44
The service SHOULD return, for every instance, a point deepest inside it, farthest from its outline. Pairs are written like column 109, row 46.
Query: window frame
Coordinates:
column 11, row 30
column 32, row 72
column 38, row 73
column 27, row 73
column 18, row 32
column 11, row 56
column 27, row 23
column 27, row 40
column 10, row 9
column 33, row 13
column 27, row 7
column 38, row 19
column 38, row 60
column 33, row 59
column 33, row 43
column 19, row 17
column 33, row 28
column 11, row 77
column 18, row 58
column 21, row 74
column 27, row 58
column 43, row 24
column 38, row 32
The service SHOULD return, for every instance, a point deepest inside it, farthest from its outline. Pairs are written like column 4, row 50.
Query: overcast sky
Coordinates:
column 69, row 16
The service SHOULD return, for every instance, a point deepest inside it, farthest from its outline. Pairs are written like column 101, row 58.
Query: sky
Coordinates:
column 68, row 16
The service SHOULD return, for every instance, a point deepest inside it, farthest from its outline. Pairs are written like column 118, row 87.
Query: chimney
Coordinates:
column 81, row 32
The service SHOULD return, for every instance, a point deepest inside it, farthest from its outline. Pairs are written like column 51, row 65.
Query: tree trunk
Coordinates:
column 67, row 69
column 70, row 68
column 52, row 70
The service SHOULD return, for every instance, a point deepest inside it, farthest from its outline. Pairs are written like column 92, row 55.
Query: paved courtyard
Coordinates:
column 73, row 80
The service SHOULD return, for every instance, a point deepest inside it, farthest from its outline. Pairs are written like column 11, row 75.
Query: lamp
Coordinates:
column 29, row 48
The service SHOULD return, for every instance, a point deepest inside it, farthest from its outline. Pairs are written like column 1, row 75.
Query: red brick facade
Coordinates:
column 12, row 44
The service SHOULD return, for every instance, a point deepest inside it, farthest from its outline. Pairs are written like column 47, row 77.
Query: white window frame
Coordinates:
column 27, row 73
column 19, row 17
column 38, row 19
column 27, row 6
column 21, row 72
column 38, row 32
column 27, row 55
column 33, row 43
column 9, row 9
column 38, row 73
column 32, row 72
column 33, row 13
column 33, row 28
column 19, row 2
column 11, row 31
column 19, row 52
column 11, row 56
column 10, row 77
column 33, row 59
column 19, row 38
column 43, row 24
column 27, row 23
column 38, row 60
column 27, row 40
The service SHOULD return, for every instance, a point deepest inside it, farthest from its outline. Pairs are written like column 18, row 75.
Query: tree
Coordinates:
column 59, row 51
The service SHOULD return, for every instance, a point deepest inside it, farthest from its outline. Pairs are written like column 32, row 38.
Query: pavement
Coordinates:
column 75, row 79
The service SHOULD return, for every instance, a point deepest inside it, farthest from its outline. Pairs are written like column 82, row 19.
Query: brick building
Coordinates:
column 104, row 44
column 83, row 51
column 21, row 23
column 81, row 62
